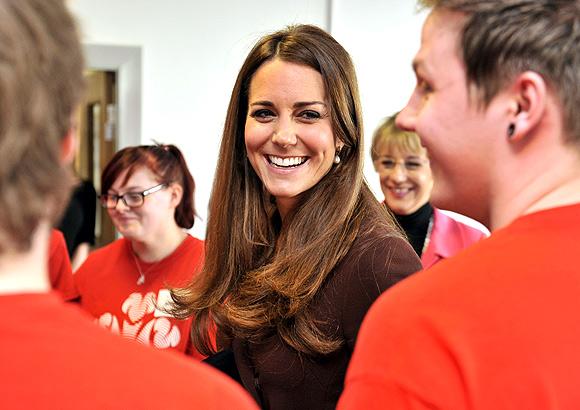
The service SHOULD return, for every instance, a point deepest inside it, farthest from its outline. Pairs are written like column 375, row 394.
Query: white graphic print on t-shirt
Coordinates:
column 155, row 330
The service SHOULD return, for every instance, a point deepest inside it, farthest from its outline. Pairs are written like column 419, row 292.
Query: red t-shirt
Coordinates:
column 110, row 290
column 53, row 357
column 59, row 268
column 495, row 327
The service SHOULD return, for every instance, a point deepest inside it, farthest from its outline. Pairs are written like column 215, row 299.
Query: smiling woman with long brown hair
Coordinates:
column 297, row 247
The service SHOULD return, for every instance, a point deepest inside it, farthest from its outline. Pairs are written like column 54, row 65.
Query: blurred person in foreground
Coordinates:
column 406, row 179
column 52, row 355
column 495, row 327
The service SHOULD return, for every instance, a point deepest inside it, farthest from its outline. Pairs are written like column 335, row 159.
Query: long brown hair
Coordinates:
column 259, row 275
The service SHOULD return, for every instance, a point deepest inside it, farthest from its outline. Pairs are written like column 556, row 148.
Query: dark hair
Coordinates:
column 259, row 276
column 41, row 84
column 502, row 38
column 167, row 163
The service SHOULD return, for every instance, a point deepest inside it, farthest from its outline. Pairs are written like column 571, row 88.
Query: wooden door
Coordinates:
column 98, row 141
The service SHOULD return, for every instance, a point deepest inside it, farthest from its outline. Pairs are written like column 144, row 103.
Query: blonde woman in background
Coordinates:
column 406, row 181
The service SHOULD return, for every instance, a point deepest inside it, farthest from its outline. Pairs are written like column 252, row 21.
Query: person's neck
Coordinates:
column 285, row 206
column 418, row 217
column 159, row 246
column 27, row 272
column 416, row 226
column 542, row 187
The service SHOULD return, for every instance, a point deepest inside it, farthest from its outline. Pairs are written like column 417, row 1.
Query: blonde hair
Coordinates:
column 389, row 136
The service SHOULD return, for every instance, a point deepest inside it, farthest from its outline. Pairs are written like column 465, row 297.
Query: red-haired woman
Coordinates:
column 148, row 193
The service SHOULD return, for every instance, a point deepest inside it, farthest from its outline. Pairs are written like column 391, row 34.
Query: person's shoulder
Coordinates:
column 468, row 227
column 184, row 382
column 56, row 235
column 99, row 258
column 130, row 369
column 110, row 250
column 191, row 251
column 383, row 248
column 188, row 383
column 57, row 242
column 194, row 243
column 377, row 259
column 448, row 279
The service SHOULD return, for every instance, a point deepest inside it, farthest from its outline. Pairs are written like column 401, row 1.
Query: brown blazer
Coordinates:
column 279, row 377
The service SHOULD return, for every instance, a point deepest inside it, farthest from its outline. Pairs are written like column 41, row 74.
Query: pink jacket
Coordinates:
column 448, row 237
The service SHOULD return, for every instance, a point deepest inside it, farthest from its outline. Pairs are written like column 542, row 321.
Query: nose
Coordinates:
column 120, row 206
column 399, row 173
column 406, row 119
column 284, row 137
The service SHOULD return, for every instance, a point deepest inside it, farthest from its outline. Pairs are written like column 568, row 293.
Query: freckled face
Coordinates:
column 288, row 132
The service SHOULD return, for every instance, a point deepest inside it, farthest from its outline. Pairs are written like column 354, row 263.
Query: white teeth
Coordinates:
column 286, row 162
column 400, row 191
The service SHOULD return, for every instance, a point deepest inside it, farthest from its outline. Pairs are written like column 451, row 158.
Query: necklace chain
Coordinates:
column 141, row 278
column 427, row 236
column 142, row 273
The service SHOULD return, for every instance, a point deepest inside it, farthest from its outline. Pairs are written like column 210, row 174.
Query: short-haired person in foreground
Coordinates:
column 497, row 326
column 51, row 355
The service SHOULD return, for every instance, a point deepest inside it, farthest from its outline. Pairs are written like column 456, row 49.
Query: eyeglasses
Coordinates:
column 131, row 199
column 409, row 164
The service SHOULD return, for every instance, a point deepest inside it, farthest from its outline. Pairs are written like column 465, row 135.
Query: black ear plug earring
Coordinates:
column 511, row 130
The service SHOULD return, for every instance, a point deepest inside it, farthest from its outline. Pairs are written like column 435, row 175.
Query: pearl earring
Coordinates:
column 336, row 159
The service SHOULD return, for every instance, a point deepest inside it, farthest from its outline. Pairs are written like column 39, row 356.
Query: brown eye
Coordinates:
column 310, row 115
column 262, row 114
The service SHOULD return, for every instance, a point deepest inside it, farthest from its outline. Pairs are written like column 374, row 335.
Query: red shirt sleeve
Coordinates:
column 59, row 267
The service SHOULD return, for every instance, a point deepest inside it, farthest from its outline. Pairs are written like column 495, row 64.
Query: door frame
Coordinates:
column 126, row 62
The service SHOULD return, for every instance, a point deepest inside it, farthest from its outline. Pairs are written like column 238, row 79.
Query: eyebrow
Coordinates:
column 412, row 156
column 299, row 104
column 127, row 189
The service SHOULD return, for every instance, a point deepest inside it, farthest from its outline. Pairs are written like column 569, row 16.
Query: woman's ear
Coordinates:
column 176, row 194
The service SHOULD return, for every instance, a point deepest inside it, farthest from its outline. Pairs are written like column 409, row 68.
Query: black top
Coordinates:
column 78, row 221
column 416, row 226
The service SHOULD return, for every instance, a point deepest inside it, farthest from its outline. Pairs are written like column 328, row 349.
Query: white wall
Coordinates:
column 192, row 50
column 382, row 37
